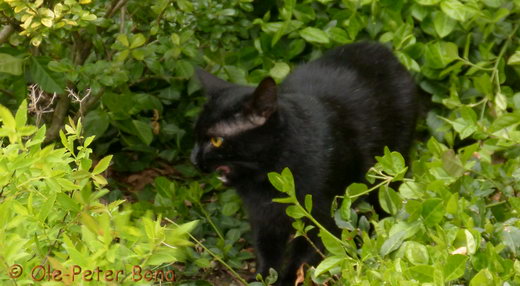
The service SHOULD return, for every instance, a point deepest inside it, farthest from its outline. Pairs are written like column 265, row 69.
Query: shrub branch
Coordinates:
column 6, row 32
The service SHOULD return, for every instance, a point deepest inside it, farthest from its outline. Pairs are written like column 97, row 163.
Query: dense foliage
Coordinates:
column 126, row 69
column 52, row 217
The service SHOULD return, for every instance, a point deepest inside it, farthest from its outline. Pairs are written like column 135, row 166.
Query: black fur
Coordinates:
column 326, row 122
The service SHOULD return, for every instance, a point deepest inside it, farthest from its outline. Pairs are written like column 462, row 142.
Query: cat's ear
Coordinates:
column 210, row 83
column 264, row 101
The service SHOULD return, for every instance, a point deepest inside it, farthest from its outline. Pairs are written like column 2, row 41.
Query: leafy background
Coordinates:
column 125, row 68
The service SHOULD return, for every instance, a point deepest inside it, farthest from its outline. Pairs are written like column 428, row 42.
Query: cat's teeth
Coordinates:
column 223, row 179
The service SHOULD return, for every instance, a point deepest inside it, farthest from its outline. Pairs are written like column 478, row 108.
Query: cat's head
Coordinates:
column 236, row 127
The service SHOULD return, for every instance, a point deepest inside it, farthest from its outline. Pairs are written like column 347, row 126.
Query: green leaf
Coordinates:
column 230, row 208
column 286, row 200
column 421, row 273
column 390, row 201
column 483, row 84
column 144, row 131
column 47, row 206
column 88, row 17
column 345, row 208
column 427, row 2
column 392, row 162
column 137, row 41
column 96, row 123
column 37, row 138
column 356, row 189
column 66, row 184
column 339, row 35
column 439, row 54
column 11, row 65
column 417, row 253
column 469, row 240
column 296, row 47
column 138, row 54
column 49, row 81
column 511, row 237
column 392, row 243
column 456, row 10
column 123, row 39
column 185, row 5
column 452, row 204
column 121, row 56
column 304, row 13
column 67, row 203
column 102, row 165
column 436, row 148
column 443, row 24
column 272, row 277
column 227, row 12
column 308, row 203
column 505, row 121
column 483, row 278
column 452, row 164
column 21, row 115
column 295, row 212
column 332, row 244
column 235, row 74
column 280, row 32
column 76, row 257
column 288, row 185
column 276, row 180
column 327, row 264
column 314, row 35
column 455, row 267
column 410, row 190
column 432, row 211
column 407, row 61
column 184, row 69
column 500, row 101
column 280, row 70
column 513, row 59
column 163, row 256
column 7, row 118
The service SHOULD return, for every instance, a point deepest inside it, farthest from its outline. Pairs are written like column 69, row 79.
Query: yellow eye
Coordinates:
column 216, row 141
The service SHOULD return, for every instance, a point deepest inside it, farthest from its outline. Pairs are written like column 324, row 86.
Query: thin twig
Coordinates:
column 81, row 100
column 313, row 245
column 235, row 274
column 5, row 91
column 115, row 7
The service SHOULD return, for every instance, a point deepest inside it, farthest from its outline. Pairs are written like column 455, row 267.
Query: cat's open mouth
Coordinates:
column 223, row 172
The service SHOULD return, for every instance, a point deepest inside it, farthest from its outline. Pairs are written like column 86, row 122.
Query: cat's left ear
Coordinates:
column 264, row 101
column 210, row 83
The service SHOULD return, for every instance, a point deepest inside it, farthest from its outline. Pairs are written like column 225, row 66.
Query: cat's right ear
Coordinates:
column 210, row 83
column 264, row 101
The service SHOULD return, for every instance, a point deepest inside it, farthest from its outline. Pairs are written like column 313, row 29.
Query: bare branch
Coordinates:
column 6, row 32
column 115, row 6
column 88, row 103
column 40, row 102
column 81, row 100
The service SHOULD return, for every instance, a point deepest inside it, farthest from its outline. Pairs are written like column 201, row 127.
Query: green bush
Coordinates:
column 52, row 214
column 125, row 68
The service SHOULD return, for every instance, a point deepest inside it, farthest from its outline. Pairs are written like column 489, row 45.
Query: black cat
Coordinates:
column 326, row 122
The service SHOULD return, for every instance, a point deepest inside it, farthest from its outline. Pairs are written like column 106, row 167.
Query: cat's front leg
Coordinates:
column 270, row 238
